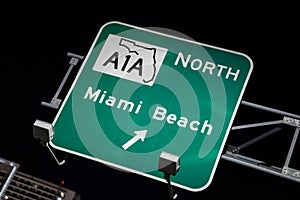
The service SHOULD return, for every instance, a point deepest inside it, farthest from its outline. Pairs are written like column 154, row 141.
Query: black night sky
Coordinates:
column 35, row 40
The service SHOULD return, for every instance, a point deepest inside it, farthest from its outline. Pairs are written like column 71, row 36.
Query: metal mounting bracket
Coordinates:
column 55, row 102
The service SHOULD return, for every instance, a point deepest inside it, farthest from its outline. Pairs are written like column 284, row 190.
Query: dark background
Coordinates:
column 35, row 40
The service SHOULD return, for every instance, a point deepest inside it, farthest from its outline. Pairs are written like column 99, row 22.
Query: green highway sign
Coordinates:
column 140, row 92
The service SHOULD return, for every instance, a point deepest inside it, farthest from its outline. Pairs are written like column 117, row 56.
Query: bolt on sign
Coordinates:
column 140, row 92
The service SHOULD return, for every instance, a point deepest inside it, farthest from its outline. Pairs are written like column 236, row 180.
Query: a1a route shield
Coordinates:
column 140, row 92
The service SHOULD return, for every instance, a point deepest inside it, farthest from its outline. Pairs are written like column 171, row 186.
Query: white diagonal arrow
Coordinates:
column 139, row 135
